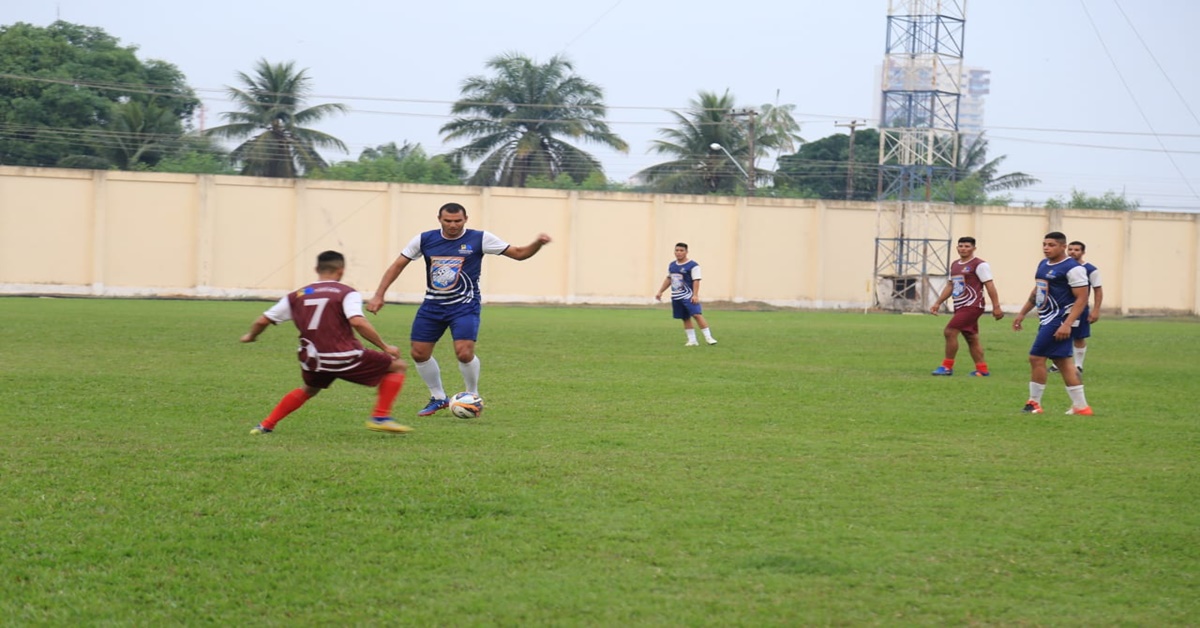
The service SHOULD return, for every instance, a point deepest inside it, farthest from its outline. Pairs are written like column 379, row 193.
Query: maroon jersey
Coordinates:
column 968, row 278
column 322, row 312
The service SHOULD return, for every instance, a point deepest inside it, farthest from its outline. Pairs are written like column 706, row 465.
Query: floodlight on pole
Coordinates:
column 716, row 146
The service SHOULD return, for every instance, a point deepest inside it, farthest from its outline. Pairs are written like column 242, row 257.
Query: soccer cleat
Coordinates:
column 691, row 343
column 711, row 341
column 981, row 373
column 433, row 406
column 387, row 424
column 1081, row 411
column 1053, row 368
column 941, row 370
column 259, row 430
column 1032, row 407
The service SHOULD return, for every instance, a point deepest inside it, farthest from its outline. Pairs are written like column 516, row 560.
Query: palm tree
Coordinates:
column 516, row 118
column 139, row 133
column 271, row 116
column 973, row 162
column 777, row 120
column 697, row 167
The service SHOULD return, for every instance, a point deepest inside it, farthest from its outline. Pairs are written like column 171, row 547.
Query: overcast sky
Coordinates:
column 1100, row 95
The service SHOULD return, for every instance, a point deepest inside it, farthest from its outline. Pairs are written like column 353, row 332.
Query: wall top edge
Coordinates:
column 499, row 192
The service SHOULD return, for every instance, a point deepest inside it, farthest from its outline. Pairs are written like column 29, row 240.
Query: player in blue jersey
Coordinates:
column 453, row 259
column 1091, row 313
column 683, row 278
column 1060, row 294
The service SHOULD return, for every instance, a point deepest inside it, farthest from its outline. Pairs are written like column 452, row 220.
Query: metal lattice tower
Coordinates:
column 918, row 149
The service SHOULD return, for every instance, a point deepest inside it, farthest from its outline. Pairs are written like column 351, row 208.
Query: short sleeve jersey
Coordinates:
column 1094, row 281
column 453, row 267
column 322, row 313
column 682, row 276
column 967, row 279
column 1053, row 283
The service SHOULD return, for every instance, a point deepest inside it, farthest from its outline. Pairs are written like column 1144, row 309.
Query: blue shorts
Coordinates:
column 432, row 320
column 1083, row 329
column 1047, row 346
column 684, row 308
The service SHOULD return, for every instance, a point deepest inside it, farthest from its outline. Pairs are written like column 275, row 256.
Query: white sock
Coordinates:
column 1035, row 391
column 691, row 334
column 1079, row 353
column 707, row 333
column 1077, row 398
column 470, row 373
column 432, row 376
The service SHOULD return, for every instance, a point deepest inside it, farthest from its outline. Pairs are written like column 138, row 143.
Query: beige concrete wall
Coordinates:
column 133, row 234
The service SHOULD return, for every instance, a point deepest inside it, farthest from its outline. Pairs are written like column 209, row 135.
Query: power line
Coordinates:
column 1133, row 97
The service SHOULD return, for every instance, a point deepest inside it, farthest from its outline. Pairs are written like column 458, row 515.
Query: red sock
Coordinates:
column 388, row 389
column 948, row 363
column 981, row 367
column 289, row 404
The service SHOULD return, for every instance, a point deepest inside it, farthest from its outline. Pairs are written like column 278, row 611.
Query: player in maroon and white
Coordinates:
column 327, row 314
column 969, row 278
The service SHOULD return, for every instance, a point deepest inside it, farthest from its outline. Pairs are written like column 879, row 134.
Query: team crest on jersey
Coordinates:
column 959, row 286
column 465, row 249
column 444, row 271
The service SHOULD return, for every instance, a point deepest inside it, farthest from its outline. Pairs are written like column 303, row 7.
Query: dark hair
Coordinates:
column 329, row 261
column 452, row 208
column 683, row 244
column 967, row 239
column 1082, row 246
column 1056, row 235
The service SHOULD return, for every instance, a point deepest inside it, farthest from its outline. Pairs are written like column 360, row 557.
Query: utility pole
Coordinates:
column 850, row 158
column 752, row 115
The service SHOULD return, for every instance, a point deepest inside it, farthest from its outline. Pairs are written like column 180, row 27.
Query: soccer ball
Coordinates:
column 466, row 405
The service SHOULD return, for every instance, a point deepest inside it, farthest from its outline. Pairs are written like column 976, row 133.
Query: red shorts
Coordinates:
column 966, row 320
column 368, row 372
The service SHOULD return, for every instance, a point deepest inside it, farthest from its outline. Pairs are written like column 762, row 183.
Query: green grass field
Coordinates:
column 805, row 471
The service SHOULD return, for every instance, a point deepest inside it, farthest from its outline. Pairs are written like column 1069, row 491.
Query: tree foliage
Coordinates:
column 1083, row 200
column 74, row 97
column 821, row 168
column 272, row 122
column 518, row 122
column 977, row 179
column 394, row 164
column 696, row 167
column 715, row 148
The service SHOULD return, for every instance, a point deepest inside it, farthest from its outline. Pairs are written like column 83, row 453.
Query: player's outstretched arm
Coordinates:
column 368, row 332
column 994, row 297
column 1094, row 313
column 529, row 250
column 937, row 305
column 389, row 277
column 1025, row 310
column 259, row 325
column 663, row 288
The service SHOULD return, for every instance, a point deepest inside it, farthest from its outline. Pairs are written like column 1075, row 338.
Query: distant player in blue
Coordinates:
column 1091, row 313
column 683, row 278
column 1060, row 294
column 453, row 260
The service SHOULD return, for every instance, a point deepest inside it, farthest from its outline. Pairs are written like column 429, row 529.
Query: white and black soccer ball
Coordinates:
column 466, row 405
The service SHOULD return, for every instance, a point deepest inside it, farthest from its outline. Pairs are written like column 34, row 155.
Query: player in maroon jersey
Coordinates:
column 327, row 313
column 969, row 278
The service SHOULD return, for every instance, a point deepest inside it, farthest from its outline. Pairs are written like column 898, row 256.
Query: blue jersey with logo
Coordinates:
column 1053, row 295
column 682, row 276
column 452, row 267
